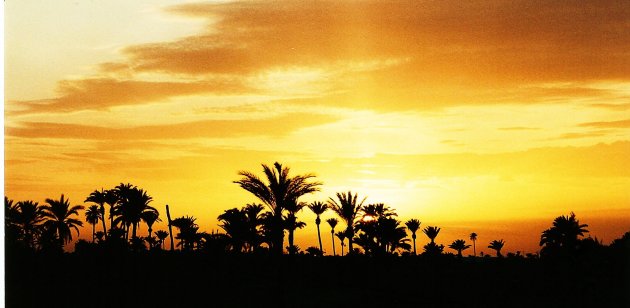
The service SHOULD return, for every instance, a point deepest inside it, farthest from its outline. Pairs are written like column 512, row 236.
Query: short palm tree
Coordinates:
column 278, row 190
column 132, row 203
column 150, row 217
column 431, row 233
column 333, row 223
column 341, row 235
column 497, row 245
column 28, row 216
column 92, row 216
column 347, row 208
column 100, row 198
column 459, row 245
column 562, row 237
column 161, row 235
column 413, row 225
column 318, row 209
column 59, row 217
column 473, row 238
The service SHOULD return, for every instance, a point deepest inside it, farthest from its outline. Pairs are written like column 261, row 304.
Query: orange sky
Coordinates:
column 485, row 116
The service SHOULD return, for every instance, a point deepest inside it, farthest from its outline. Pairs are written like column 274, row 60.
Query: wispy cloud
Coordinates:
column 608, row 124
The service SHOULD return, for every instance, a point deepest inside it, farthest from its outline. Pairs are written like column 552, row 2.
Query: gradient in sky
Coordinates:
column 491, row 117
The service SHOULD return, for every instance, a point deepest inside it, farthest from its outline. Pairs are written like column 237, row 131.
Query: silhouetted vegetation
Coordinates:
column 119, row 267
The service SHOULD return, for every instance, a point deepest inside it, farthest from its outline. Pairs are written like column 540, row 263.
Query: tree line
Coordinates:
column 256, row 228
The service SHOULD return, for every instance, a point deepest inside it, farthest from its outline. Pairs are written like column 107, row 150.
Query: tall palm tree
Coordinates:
column 459, row 245
column 161, row 235
column 111, row 198
column 28, row 216
column 150, row 217
column 333, row 223
column 347, row 209
column 234, row 223
column 497, row 245
column 58, row 216
column 318, row 209
column 277, row 192
column 413, row 225
column 473, row 238
column 431, row 233
column 92, row 216
column 291, row 224
column 341, row 235
column 100, row 198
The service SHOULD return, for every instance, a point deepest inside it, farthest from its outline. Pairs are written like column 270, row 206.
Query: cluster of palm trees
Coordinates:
column 370, row 229
column 49, row 226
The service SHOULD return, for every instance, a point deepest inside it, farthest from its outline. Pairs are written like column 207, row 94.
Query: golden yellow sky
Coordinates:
column 479, row 116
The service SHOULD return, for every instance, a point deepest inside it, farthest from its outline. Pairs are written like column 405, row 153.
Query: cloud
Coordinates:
column 449, row 40
column 517, row 128
column 608, row 124
column 277, row 126
column 103, row 93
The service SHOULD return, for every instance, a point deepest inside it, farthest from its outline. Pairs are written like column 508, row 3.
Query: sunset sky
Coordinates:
column 487, row 116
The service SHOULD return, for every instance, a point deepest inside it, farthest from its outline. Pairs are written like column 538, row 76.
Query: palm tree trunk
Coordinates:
column 93, row 232
column 103, row 220
column 291, row 251
column 170, row 228
column 414, row 244
column 319, row 237
column 133, row 230
column 474, row 249
column 111, row 217
column 332, row 234
column 350, row 236
column 342, row 248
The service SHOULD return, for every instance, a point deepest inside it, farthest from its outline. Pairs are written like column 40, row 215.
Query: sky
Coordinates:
column 489, row 116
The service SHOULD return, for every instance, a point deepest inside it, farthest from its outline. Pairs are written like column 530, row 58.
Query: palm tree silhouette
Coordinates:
column 431, row 233
column 459, row 245
column 347, row 209
column 92, row 216
column 277, row 193
column 161, row 235
column 291, row 223
column 58, row 216
column 187, row 231
column 100, row 198
column 333, row 223
column 562, row 237
column 318, row 208
column 413, row 225
column 133, row 202
column 341, row 235
column 473, row 238
column 234, row 223
column 497, row 245
column 150, row 217
column 27, row 215
column 254, row 218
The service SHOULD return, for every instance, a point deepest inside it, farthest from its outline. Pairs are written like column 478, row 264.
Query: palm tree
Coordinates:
column 58, row 216
column 291, row 223
column 459, row 245
column 92, row 216
column 318, row 208
column 347, row 209
column 111, row 198
column 333, row 223
column 254, row 217
column 431, row 233
column 279, row 190
column 161, row 235
column 150, row 217
column 187, row 231
column 132, row 203
column 473, row 238
column 562, row 237
column 28, row 217
column 341, row 235
column 413, row 225
column 100, row 198
column 234, row 223
column 497, row 245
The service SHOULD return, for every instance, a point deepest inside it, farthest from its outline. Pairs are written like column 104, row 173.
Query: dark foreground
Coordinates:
column 196, row 280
